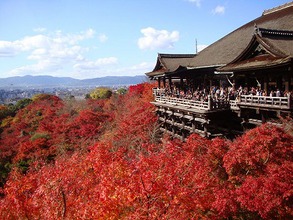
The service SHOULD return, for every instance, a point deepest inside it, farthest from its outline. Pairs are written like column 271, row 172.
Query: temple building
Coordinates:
column 240, row 81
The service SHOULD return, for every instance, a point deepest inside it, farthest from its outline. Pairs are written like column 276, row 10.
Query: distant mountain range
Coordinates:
column 50, row 81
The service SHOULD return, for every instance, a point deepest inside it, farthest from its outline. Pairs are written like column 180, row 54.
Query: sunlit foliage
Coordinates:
column 106, row 159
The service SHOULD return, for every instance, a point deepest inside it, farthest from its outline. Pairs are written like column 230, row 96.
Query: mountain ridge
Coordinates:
column 52, row 81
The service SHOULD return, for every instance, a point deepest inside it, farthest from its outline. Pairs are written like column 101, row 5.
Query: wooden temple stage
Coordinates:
column 181, row 117
column 252, row 69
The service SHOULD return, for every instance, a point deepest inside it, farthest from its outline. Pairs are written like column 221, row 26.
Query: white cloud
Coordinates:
column 57, row 43
column 40, row 29
column 32, row 42
column 196, row 2
column 89, row 33
column 92, row 71
column 50, row 53
column 91, row 65
column 103, row 38
column 73, row 38
column 137, row 69
column 44, row 66
column 37, row 54
column 58, row 53
column 220, row 10
column 157, row 39
column 140, row 68
column 8, row 49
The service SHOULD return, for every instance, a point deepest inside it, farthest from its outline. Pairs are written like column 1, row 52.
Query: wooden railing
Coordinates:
column 266, row 101
column 189, row 103
column 183, row 102
column 244, row 100
column 234, row 105
column 159, row 92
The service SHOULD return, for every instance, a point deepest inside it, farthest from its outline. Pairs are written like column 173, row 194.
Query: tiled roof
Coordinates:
column 229, row 47
column 170, row 63
column 254, row 64
column 275, row 27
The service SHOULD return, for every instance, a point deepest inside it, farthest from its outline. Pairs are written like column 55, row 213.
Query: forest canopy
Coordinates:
column 105, row 158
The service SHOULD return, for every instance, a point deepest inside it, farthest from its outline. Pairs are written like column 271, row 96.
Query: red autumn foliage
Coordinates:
column 135, row 121
column 260, row 165
column 119, row 169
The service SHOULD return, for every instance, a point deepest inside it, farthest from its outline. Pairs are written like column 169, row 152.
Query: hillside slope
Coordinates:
column 106, row 159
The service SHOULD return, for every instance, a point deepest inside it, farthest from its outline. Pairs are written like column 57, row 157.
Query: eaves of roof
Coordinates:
column 255, row 64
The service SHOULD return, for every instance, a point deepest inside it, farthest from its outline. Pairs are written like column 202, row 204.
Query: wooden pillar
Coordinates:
column 181, row 84
column 265, row 84
column 193, row 125
column 182, row 123
column 182, row 130
column 165, row 120
column 164, row 82
column 205, row 130
column 159, row 82
column 173, row 126
column 193, row 85
column 263, row 117
column 290, row 74
column 279, row 82
column 204, row 82
column 246, row 82
column 170, row 83
column 287, row 82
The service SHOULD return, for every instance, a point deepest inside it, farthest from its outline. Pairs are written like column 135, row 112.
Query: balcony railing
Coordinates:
column 183, row 102
column 266, row 101
column 210, row 104
column 234, row 105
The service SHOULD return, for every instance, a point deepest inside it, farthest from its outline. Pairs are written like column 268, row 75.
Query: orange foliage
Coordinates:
column 119, row 169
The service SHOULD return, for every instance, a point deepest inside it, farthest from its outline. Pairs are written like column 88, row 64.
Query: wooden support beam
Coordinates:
column 193, row 127
column 169, row 112
column 164, row 82
column 205, row 131
column 178, row 114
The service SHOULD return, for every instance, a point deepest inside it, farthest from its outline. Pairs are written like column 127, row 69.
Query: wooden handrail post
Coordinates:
column 210, row 102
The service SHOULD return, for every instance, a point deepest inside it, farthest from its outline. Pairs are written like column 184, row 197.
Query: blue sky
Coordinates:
column 95, row 38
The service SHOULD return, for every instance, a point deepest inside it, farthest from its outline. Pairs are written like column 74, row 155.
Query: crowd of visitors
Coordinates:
column 221, row 93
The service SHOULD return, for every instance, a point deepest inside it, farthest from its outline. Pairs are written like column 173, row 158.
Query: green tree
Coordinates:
column 11, row 110
column 121, row 91
column 101, row 93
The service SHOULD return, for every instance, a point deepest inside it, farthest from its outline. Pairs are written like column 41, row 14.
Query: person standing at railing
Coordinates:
column 278, row 93
column 217, row 94
column 287, row 94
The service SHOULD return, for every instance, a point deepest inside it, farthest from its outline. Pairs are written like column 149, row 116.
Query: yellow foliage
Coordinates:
column 101, row 93
column 6, row 122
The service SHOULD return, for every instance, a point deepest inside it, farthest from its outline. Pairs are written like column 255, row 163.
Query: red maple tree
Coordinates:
column 105, row 160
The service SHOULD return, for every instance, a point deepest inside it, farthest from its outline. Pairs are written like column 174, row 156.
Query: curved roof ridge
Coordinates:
column 167, row 55
column 275, row 51
column 286, row 5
